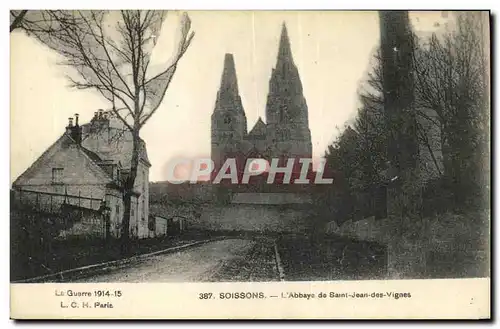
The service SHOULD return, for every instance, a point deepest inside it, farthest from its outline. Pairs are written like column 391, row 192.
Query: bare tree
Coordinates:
column 450, row 79
column 110, row 52
column 16, row 19
column 450, row 102
column 34, row 21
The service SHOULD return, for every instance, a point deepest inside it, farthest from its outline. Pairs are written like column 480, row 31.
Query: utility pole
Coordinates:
column 402, row 148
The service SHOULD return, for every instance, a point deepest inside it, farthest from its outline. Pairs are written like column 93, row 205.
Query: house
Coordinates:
column 86, row 167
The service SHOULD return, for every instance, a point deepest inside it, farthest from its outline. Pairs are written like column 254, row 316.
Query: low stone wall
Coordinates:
column 188, row 210
column 271, row 198
column 238, row 217
column 253, row 217
column 447, row 245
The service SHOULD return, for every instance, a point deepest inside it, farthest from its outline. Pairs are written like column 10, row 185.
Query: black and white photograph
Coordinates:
column 155, row 146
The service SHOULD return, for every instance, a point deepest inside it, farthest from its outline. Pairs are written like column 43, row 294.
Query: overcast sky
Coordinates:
column 331, row 49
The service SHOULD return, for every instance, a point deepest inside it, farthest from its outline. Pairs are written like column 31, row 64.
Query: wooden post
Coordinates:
column 80, row 202
column 402, row 146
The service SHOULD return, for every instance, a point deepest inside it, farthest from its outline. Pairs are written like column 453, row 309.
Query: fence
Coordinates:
column 63, row 214
column 50, row 202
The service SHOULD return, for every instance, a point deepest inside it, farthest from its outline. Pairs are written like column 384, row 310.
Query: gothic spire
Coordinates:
column 285, row 101
column 229, row 82
column 228, row 97
column 284, row 50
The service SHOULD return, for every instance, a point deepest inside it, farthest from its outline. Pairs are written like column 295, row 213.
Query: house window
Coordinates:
column 57, row 175
column 227, row 119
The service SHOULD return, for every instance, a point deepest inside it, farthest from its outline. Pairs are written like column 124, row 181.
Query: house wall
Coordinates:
column 136, row 227
column 114, row 201
column 79, row 174
column 110, row 141
column 81, row 180
column 80, row 177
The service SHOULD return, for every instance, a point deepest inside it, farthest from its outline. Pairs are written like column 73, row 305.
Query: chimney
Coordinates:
column 76, row 130
column 100, row 114
column 69, row 126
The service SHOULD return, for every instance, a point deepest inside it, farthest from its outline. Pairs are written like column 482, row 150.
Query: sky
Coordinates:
column 331, row 49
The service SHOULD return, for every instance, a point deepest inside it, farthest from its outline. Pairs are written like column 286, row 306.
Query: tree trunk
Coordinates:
column 125, row 236
column 127, row 195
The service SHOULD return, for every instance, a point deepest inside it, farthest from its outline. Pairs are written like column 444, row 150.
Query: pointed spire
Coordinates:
column 228, row 97
column 285, row 101
column 229, row 82
column 284, row 51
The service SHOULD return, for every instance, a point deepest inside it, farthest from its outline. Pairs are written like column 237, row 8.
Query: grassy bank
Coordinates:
column 68, row 254
column 445, row 245
column 330, row 258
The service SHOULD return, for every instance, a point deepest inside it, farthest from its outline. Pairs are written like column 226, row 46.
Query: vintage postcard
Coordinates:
column 250, row 164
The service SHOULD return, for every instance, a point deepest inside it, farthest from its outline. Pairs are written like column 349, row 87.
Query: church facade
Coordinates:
column 284, row 134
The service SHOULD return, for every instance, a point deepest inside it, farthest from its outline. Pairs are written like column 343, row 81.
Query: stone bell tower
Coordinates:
column 229, row 123
column 286, row 108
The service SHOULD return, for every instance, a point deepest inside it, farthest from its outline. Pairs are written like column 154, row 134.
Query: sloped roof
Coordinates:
column 124, row 155
column 58, row 145
column 259, row 128
column 94, row 157
column 120, row 140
